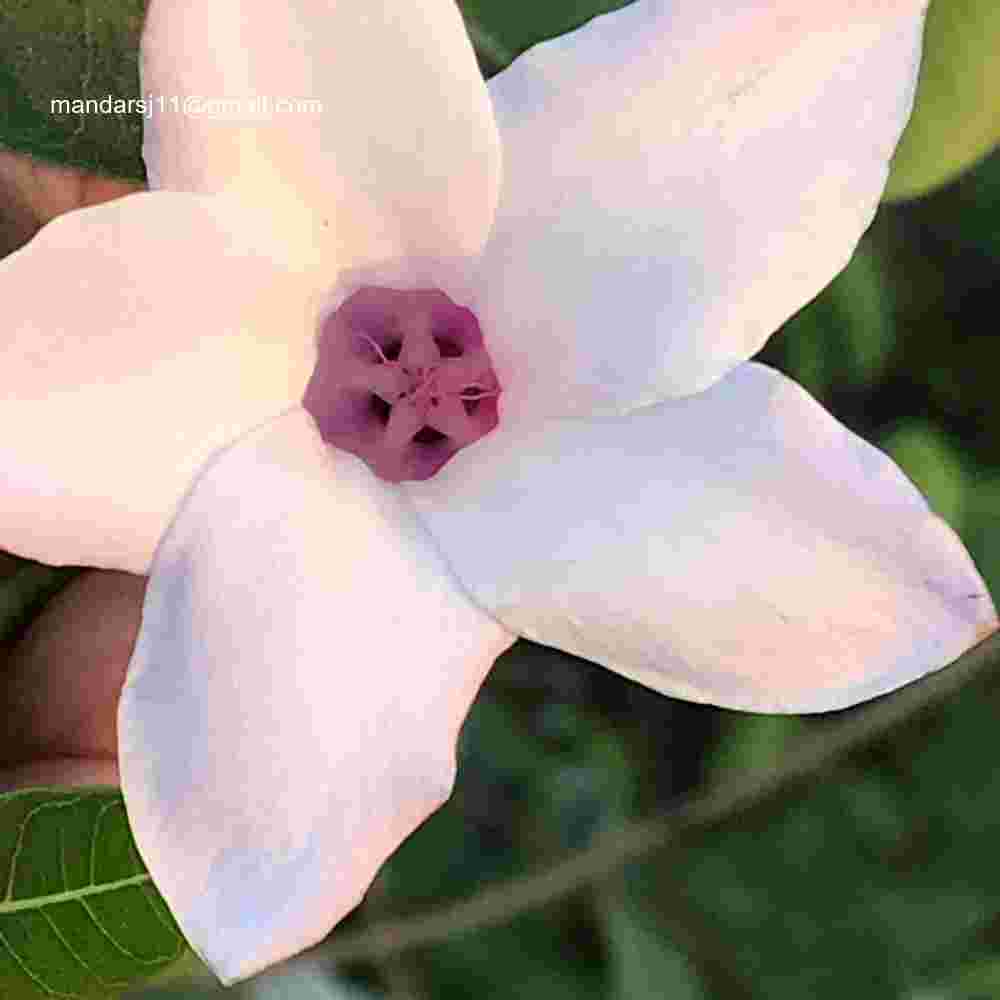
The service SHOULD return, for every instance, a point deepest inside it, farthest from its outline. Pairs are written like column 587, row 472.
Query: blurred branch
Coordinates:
column 498, row 904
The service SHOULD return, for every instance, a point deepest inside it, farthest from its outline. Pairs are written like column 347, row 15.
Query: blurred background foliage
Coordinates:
column 878, row 877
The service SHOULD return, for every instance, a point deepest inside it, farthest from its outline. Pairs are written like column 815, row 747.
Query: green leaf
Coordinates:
column 754, row 743
column 645, row 965
column 67, row 49
column 972, row 210
column 544, row 955
column 956, row 120
column 979, row 981
column 929, row 457
column 874, row 879
column 79, row 916
column 845, row 336
column 982, row 526
column 502, row 30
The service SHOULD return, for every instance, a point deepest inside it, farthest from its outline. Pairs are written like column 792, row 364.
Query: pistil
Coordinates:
column 403, row 381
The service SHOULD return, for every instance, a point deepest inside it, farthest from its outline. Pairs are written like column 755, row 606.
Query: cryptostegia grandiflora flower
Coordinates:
column 602, row 235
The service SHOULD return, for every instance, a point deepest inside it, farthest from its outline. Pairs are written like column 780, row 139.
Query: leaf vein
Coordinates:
column 62, row 859
column 163, row 921
column 115, row 943
column 79, row 958
column 98, row 820
column 37, row 902
column 18, row 847
column 36, row 979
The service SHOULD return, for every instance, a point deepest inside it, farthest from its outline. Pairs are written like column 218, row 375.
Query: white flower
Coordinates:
column 678, row 178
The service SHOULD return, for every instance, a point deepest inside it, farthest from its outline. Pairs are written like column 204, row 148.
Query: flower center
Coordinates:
column 403, row 381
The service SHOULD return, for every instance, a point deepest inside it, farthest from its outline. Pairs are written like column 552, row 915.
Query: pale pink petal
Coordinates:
column 679, row 178
column 738, row 546
column 139, row 336
column 290, row 716
column 400, row 156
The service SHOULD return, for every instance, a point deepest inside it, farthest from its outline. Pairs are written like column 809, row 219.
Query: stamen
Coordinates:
column 383, row 417
column 378, row 350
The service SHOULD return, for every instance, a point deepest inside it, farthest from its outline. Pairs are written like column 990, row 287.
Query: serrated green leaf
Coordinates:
column 79, row 916
column 956, row 119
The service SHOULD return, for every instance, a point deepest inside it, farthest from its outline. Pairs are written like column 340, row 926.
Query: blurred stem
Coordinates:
column 500, row 903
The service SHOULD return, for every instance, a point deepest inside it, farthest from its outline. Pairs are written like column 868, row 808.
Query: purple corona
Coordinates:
column 403, row 381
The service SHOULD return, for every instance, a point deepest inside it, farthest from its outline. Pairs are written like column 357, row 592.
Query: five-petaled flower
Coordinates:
column 676, row 179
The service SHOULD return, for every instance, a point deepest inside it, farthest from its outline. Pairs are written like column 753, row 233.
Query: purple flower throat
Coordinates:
column 403, row 381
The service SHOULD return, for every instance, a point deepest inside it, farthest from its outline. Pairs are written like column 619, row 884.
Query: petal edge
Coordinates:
column 305, row 636
column 738, row 547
